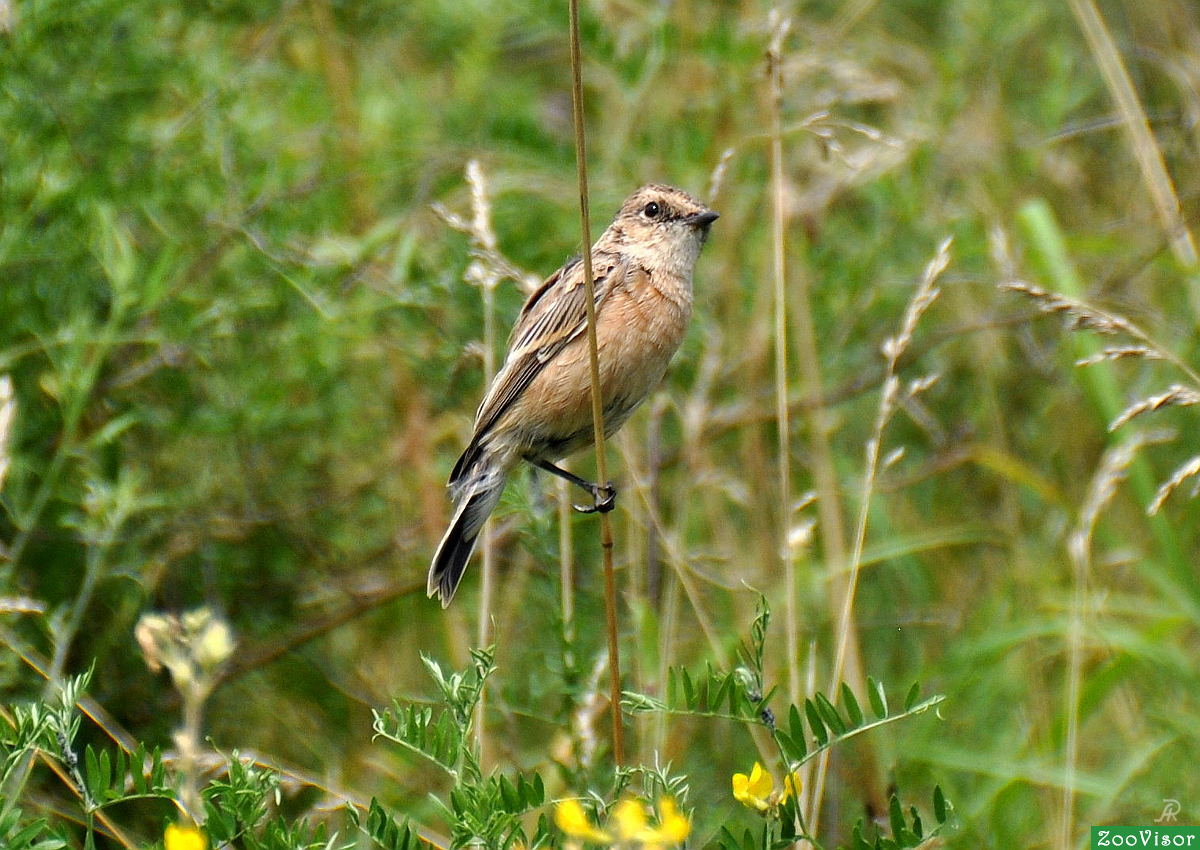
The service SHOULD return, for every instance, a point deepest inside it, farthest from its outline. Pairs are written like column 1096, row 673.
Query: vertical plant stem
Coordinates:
column 925, row 294
column 782, row 421
column 1103, row 391
column 1145, row 148
column 566, row 568
column 824, row 472
column 486, row 542
column 189, row 749
column 606, row 538
column 1074, row 677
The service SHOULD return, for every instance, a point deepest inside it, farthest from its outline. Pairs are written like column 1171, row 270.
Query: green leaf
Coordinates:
column 878, row 698
column 917, row 830
column 814, row 720
column 853, row 710
column 896, row 817
column 727, row 840
column 793, row 748
column 860, row 843
column 723, row 690
column 830, row 715
column 91, row 770
column 914, row 694
column 939, row 804
column 509, row 795
column 795, row 726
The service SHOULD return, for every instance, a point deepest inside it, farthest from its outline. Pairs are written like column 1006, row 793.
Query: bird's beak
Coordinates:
column 702, row 219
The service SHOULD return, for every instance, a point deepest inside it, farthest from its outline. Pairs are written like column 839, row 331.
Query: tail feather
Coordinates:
column 479, row 499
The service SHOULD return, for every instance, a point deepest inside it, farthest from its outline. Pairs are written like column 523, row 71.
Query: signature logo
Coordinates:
column 1170, row 812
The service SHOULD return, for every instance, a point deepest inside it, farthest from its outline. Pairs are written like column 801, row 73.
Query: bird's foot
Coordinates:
column 604, row 499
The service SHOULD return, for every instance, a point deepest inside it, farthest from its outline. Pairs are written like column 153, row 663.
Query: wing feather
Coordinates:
column 552, row 317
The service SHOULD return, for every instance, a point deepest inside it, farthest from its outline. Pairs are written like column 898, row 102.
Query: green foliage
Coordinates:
column 480, row 808
column 16, row 834
column 125, row 776
column 906, row 830
column 243, row 359
column 738, row 695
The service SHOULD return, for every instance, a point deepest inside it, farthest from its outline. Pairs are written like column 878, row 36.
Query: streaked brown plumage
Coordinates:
column 538, row 407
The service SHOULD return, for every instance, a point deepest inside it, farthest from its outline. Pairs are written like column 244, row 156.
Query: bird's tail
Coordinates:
column 475, row 496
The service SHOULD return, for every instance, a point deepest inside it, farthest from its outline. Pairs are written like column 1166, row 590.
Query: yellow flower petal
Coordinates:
column 792, row 785
column 672, row 825
column 761, row 782
column 180, row 837
column 573, row 820
column 630, row 819
column 754, row 790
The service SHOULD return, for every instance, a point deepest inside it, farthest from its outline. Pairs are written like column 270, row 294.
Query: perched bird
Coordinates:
column 539, row 407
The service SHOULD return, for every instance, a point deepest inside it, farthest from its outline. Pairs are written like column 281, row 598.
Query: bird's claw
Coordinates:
column 604, row 499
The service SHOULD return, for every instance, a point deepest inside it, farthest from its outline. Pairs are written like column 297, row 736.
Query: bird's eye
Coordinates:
column 652, row 210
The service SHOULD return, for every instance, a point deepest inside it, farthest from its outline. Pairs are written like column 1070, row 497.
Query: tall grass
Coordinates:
column 243, row 361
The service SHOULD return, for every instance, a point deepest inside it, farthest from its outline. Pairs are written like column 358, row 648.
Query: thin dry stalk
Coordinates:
column 566, row 565
column 1189, row 469
column 893, row 348
column 1175, row 396
column 488, row 278
column 487, row 269
column 1114, row 468
column 606, row 538
column 782, row 421
column 673, row 556
column 829, row 508
column 1145, row 148
column 8, row 16
column 1083, row 316
column 1119, row 352
column 8, row 412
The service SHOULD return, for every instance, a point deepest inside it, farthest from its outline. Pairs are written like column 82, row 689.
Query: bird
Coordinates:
column 538, row 407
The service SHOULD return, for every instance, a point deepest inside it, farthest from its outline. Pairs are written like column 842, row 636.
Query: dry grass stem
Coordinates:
column 893, row 348
column 1190, row 469
column 487, row 269
column 1145, row 147
column 780, row 26
column 1119, row 352
column 489, row 266
column 606, row 536
column 717, row 179
column 1113, row 469
column 1083, row 316
column 1079, row 314
column 1176, row 396
column 8, row 412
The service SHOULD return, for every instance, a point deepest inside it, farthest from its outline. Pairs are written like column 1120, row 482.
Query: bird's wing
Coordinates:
column 554, row 315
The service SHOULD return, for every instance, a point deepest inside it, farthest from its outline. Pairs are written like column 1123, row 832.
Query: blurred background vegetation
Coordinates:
column 244, row 358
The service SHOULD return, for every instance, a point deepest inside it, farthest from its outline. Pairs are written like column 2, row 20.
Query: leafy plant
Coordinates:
column 479, row 808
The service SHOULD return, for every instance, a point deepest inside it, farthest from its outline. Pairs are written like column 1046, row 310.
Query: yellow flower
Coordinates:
column 792, row 785
column 629, row 823
column 754, row 791
column 630, row 820
column 184, row 837
column 672, row 825
column 573, row 820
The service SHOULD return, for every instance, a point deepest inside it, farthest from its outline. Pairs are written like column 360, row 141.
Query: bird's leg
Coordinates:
column 604, row 497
